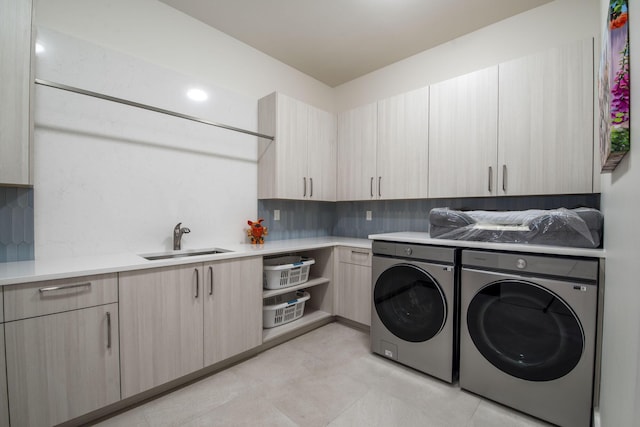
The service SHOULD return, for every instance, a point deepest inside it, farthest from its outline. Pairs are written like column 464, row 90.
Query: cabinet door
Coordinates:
column 463, row 136
column 161, row 324
column 62, row 365
column 321, row 155
column 282, row 163
column 546, row 122
column 15, row 86
column 402, row 147
column 353, row 294
column 357, row 140
column 291, row 145
column 233, row 308
column 4, row 399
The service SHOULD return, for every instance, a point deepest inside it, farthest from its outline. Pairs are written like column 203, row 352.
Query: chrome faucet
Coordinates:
column 177, row 235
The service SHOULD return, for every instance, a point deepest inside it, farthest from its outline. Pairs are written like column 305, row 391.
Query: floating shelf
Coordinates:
column 314, row 281
column 310, row 316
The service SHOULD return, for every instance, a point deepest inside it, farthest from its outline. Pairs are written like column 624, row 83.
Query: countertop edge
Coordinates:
column 15, row 273
column 426, row 239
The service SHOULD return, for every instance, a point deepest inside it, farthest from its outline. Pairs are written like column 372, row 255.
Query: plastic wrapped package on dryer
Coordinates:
column 581, row 227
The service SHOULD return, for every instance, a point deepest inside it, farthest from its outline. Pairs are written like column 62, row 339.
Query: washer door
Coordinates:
column 410, row 303
column 525, row 330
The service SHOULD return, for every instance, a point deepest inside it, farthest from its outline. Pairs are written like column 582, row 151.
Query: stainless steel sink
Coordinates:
column 182, row 254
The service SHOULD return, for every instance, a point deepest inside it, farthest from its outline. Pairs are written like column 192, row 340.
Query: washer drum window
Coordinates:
column 525, row 330
column 410, row 303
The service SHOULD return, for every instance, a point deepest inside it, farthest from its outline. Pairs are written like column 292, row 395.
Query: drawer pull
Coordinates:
column 64, row 287
column 108, row 330
column 360, row 252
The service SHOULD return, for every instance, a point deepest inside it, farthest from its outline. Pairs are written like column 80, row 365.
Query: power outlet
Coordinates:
column 276, row 215
column 369, row 216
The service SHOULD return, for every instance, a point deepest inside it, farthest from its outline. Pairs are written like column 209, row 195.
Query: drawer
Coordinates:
column 356, row 256
column 54, row 296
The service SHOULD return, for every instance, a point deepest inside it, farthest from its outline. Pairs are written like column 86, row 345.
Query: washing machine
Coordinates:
column 528, row 332
column 414, row 306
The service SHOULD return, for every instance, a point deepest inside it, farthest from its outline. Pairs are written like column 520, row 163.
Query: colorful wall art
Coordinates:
column 614, row 89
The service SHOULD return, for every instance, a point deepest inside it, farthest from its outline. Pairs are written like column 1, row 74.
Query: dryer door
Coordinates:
column 525, row 330
column 409, row 302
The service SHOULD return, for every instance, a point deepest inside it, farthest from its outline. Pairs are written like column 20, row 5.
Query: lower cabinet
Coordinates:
column 4, row 399
column 232, row 309
column 177, row 320
column 353, row 284
column 63, row 365
column 161, row 324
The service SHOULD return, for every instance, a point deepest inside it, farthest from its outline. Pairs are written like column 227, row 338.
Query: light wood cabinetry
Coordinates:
column 383, row 149
column 161, row 322
column 301, row 162
column 177, row 320
column 545, row 133
column 353, row 284
column 463, row 136
column 61, row 365
column 4, row 398
column 402, row 148
column 15, row 88
column 232, row 308
column 54, row 296
column 357, row 141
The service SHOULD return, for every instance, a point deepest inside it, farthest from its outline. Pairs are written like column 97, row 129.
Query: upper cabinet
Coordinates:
column 545, row 122
column 301, row 162
column 463, row 136
column 357, row 141
column 383, row 149
column 403, row 138
column 15, row 90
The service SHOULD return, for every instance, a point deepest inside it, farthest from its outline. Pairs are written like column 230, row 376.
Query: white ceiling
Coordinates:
column 336, row 41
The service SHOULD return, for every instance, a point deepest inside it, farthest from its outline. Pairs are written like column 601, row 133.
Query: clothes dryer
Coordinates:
column 528, row 332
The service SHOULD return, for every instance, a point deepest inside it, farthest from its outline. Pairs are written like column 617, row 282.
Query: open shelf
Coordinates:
column 314, row 281
column 310, row 316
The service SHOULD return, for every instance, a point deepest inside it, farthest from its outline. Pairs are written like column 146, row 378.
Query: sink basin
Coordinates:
column 182, row 254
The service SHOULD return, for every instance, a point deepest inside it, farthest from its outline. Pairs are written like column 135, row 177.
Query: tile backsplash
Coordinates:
column 308, row 219
column 299, row 219
column 16, row 224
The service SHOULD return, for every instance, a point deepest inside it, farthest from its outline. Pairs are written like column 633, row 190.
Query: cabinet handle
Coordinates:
column 504, row 177
column 371, row 187
column 304, row 187
column 64, row 287
column 360, row 252
column 379, row 191
column 311, row 182
column 490, row 178
column 108, row 330
column 197, row 282
column 210, row 280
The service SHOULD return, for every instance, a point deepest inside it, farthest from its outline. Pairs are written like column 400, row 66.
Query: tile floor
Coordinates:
column 327, row 377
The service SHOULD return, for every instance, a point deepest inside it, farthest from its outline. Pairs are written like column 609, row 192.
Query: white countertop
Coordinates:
column 425, row 238
column 50, row 269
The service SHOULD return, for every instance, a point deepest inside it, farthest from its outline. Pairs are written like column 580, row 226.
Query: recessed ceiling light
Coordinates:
column 197, row 95
column 39, row 48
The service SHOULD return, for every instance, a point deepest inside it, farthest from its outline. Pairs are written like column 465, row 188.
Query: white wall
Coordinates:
column 110, row 178
column 554, row 23
column 620, row 392
column 157, row 33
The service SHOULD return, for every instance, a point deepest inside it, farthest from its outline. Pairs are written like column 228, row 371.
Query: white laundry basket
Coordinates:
column 284, row 271
column 284, row 308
